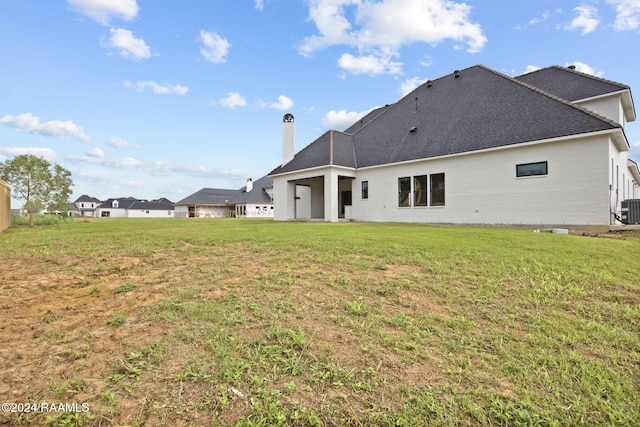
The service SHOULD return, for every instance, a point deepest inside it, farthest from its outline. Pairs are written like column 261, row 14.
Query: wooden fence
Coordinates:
column 5, row 206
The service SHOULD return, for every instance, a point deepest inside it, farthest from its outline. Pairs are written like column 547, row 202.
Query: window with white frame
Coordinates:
column 427, row 190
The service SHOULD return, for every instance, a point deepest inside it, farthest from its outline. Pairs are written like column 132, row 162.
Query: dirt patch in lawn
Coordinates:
column 99, row 332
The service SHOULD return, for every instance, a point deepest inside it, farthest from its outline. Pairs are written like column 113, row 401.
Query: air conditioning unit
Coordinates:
column 630, row 211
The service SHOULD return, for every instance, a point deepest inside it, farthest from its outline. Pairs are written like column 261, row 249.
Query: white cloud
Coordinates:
column 103, row 10
column 259, row 4
column 45, row 153
column 233, row 100
column 215, row 48
column 55, row 128
column 342, row 119
column 154, row 167
column 628, row 11
column 166, row 89
column 369, row 64
column 532, row 68
column 543, row 18
column 284, row 103
column 587, row 20
column 584, row 68
column 112, row 162
column 127, row 44
column 410, row 84
column 96, row 152
column 117, row 142
column 381, row 28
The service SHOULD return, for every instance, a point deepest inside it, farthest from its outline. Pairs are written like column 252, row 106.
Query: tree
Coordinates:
column 38, row 182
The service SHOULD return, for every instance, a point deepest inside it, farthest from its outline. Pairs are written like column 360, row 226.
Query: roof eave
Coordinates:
column 633, row 167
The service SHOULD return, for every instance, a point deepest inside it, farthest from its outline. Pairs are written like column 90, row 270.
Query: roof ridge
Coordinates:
column 591, row 76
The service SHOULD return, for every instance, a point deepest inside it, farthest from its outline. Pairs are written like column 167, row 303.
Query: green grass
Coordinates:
column 265, row 323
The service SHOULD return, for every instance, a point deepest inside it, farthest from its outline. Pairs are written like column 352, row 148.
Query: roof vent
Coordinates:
column 413, row 129
column 456, row 74
column 429, row 83
column 571, row 67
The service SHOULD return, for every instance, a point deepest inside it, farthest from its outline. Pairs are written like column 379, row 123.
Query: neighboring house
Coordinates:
column 252, row 201
column 129, row 207
column 85, row 206
column 256, row 199
column 5, row 206
column 207, row 203
column 547, row 148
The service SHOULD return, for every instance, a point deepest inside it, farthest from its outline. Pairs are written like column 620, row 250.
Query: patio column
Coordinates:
column 331, row 196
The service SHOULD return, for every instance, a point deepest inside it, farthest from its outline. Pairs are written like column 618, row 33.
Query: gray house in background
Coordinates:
column 255, row 200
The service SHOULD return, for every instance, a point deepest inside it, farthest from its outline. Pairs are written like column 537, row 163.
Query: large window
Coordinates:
column 365, row 189
column 437, row 189
column 531, row 169
column 420, row 190
column 404, row 191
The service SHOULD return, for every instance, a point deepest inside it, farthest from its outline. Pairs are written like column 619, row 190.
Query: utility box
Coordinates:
column 630, row 212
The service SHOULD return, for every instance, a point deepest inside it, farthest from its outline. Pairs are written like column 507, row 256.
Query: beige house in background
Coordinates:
column 5, row 206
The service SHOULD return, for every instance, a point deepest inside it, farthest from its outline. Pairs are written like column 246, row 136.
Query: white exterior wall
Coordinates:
column 257, row 211
column 619, row 180
column 482, row 188
column 609, row 107
column 113, row 212
column 150, row 213
column 182, row 211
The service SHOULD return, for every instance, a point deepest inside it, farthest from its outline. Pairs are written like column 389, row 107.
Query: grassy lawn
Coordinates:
column 257, row 323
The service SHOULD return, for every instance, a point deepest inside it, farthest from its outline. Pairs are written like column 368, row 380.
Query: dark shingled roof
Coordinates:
column 85, row 198
column 133, row 203
column 258, row 195
column 209, row 196
column 219, row 196
column 570, row 84
column 480, row 109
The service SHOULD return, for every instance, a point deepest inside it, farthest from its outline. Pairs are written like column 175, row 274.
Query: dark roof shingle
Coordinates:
column 480, row 109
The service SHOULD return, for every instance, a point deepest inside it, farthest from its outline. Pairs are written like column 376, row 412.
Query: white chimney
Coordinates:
column 288, row 138
column 249, row 185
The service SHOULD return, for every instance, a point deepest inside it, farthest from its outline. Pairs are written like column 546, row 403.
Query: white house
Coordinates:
column 85, row 206
column 129, row 207
column 256, row 199
column 547, row 148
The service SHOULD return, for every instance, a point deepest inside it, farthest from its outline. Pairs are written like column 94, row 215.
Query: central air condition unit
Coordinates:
column 630, row 211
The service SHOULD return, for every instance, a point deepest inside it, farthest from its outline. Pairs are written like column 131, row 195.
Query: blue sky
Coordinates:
column 152, row 99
